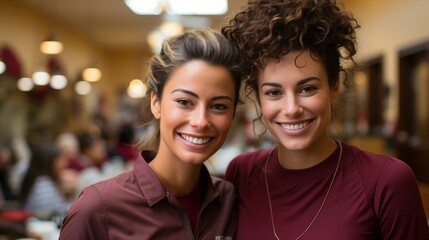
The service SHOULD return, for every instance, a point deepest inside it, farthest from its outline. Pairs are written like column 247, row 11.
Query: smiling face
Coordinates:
column 195, row 111
column 296, row 101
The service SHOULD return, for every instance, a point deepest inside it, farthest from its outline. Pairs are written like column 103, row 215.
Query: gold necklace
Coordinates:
column 321, row 206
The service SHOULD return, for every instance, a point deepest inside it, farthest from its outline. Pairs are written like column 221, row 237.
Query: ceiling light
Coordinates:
column 179, row 7
column 41, row 78
column 25, row 84
column 200, row 7
column 83, row 88
column 136, row 89
column 145, row 7
column 2, row 67
column 51, row 46
column 170, row 29
column 155, row 39
column 58, row 81
column 91, row 74
column 165, row 30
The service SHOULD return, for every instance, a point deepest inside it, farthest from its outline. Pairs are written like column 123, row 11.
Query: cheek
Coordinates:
column 268, row 108
column 322, row 107
column 171, row 115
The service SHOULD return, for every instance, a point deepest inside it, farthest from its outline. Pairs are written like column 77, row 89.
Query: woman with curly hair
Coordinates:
column 310, row 186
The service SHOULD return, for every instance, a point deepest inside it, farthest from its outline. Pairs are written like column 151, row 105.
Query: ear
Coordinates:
column 335, row 92
column 155, row 105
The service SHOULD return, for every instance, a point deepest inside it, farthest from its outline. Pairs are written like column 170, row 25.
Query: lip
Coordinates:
column 295, row 128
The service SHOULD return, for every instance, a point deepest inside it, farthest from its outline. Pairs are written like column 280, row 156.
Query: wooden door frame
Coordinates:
column 408, row 59
column 374, row 69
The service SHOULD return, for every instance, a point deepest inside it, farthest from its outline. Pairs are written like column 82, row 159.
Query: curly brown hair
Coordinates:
column 269, row 29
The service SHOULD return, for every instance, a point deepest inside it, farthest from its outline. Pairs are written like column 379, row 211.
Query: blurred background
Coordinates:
column 72, row 71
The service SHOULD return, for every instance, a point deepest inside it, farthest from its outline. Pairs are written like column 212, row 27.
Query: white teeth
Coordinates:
column 195, row 140
column 294, row 127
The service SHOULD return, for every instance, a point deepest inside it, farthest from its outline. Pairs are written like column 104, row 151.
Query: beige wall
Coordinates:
column 388, row 26
column 22, row 29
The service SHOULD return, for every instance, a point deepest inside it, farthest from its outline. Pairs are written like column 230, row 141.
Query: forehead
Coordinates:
column 198, row 75
column 295, row 66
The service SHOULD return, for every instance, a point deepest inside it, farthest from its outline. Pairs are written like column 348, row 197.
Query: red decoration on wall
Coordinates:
column 13, row 66
column 40, row 93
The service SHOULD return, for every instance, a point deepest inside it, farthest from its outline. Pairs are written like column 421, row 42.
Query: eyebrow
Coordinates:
column 196, row 95
column 300, row 82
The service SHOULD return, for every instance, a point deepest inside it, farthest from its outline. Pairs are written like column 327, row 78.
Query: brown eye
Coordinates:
column 220, row 107
column 308, row 89
column 184, row 102
column 273, row 93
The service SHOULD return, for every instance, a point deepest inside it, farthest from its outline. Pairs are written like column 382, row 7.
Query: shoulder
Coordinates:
column 222, row 185
column 242, row 166
column 381, row 172
column 378, row 165
column 392, row 190
column 88, row 212
column 226, row 191
column 90, row 199
column 103, row 190
column 114, row 184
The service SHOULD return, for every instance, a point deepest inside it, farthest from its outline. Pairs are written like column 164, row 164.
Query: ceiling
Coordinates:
column 110, row 24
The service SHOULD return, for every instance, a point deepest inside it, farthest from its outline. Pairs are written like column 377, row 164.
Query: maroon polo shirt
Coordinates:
column 136, row 205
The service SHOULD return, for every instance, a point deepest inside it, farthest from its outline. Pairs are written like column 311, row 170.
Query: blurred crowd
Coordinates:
column 42, row 175
column 45, row 185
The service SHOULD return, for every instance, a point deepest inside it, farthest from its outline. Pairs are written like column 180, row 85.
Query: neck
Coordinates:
column 307, row 157
column 179, row 178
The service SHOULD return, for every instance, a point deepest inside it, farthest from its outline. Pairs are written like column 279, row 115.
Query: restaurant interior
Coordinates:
column 68, row 66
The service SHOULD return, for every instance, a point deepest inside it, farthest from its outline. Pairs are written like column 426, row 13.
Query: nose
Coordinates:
column 199, row 119
column 292, row 106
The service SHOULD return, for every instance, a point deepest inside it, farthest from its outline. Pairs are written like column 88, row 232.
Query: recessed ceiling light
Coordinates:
column 178, row 7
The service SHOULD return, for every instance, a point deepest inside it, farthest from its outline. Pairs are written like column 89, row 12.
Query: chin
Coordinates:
column 195, row 158
column 295, row 145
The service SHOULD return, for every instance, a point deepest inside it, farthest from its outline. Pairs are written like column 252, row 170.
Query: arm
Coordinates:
column 87, row 219
column 398, row 204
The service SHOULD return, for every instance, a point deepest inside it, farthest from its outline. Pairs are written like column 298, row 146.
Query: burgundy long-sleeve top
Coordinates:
column 372, row 197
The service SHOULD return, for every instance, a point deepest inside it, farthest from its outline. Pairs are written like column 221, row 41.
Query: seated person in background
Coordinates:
column 93, row 162
column 91, row 152
column 7, row 159
column 126, row 144
column 41, row 190
column 68, row 143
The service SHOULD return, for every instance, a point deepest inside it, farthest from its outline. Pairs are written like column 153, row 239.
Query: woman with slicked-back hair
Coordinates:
column 194, row 88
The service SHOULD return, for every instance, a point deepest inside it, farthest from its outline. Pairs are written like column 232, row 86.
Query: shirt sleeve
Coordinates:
column 398, row 204
column 87, row 218
column 242, row 167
